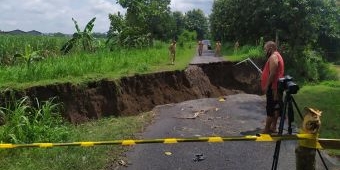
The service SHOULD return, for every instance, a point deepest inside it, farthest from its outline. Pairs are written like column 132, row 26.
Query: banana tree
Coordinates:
column 84, row 37
column 29, row 55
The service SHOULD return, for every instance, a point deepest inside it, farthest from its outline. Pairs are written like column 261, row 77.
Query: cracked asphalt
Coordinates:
column 238, row 115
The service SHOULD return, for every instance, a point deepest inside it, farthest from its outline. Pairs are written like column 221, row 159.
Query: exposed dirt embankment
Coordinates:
column 139, row 93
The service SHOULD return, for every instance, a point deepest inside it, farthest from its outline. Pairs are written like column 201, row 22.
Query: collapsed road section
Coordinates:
column 140, row 93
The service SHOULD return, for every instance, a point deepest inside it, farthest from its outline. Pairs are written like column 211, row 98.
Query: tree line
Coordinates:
column 147, row 20
column 307, row 31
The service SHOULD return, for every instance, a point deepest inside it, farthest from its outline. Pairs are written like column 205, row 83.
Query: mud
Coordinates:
column 140, row 93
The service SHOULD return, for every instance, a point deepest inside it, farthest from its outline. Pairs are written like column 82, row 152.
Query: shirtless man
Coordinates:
column 200, row 48
column 172, row 50
column 218, row 49
column 236, row 46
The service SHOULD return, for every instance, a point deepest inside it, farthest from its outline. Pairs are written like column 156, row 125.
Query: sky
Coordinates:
column 50, row 16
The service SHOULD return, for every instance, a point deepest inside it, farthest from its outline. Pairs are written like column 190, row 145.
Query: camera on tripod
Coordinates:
column 287, row 84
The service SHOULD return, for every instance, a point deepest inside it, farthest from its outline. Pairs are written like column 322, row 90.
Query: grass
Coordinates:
column 83, row 67
column 325, row 97
column 97, row 157
column 79, row 68
column 242, row 52
column 337, row 68
column 13, row 44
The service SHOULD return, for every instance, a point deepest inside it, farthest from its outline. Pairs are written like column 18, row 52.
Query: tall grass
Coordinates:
column 242, row 52
column 14, row 44
column 26, row 124
column 325, row 97
column 43, row 123
column 80, row 66
column 74, row 158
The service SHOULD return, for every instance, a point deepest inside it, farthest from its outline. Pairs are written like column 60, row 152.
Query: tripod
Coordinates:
column 288, row 109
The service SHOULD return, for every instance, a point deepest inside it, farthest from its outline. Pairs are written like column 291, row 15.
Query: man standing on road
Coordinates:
column 172, row 50
column 218, row 49
column 200, row 47
column 273, row 70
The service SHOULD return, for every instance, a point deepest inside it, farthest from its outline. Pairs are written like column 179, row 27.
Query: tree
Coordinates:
column 149, row 16
column 329, row 33
column 305, row 27
column 125, row 36
column 195, row 20
column 85, row 37
column 29, row 55
column 179, row 21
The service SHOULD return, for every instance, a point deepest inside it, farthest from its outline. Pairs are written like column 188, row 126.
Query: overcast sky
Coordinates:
column 49, row 16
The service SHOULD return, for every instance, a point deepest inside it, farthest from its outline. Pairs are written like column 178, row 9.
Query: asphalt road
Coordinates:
column 239, row 115
column 208, row 56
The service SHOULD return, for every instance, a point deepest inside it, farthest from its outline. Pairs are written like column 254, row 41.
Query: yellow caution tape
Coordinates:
column 128, row 142
column 215, row 139
column 170, row 141
column 44, row 145
column 6, row 146
column 305, row 140
column 265, row 138
column 311, row 140
column 306, row 136
column 86, row 144
column 310, row 143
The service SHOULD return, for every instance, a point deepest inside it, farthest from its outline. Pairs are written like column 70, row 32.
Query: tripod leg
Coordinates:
column 290, row 117
column 278, row 143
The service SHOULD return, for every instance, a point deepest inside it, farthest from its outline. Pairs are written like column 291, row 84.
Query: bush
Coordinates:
column 186, row 36
column 326, row 72
column 307, row 65
column 28, row 124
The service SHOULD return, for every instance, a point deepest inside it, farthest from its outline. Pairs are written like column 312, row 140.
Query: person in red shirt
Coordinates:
column 273, row 70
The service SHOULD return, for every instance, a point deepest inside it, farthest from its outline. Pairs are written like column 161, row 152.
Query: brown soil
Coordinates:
column 139, row 93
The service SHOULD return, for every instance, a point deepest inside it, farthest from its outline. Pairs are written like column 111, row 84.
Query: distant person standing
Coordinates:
column 273, row 70
column 218, row 49
column 172, row 50
column 200, row 48
column 236, row 46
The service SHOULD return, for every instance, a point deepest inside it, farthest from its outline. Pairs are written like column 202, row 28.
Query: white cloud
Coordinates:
column 56, row 15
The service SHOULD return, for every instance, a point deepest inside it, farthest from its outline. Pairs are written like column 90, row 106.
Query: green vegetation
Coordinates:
column 308, row 32
column 145, row 21
column 325, row 97
column 243, row 52
column 10, row 45
column 78, row 67
column 27, row 124
column 44, row 124
column 85, row 37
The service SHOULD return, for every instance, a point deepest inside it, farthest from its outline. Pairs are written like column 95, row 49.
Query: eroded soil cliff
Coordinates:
column 139, row 93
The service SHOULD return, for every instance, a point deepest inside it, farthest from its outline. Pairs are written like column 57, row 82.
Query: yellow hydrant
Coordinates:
column 306, row 151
